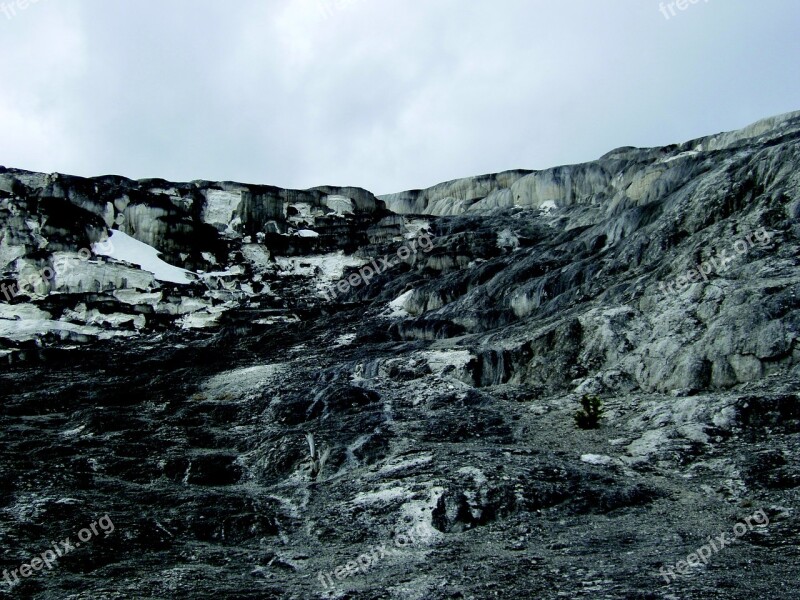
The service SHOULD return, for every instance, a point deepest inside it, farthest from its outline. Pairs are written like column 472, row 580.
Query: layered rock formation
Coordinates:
column 253, row 435
column 54, row 244
column 623, row 178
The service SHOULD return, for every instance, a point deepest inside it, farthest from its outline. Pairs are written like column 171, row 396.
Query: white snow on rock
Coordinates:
column 9, row 253
column 289, row 318
column 396, row 308
column 416, row 226
column 134, row 298
column 258, row 256
column 681, row 155
column 307, row 233
column 305, row 213
column 26, row 330
column 547, row 206
column 439, row 360
column 278, row 318
column 199, row 320
column 418, row 515
column 214, row 276
column 95, row 317
column 344, row 340
column 73, row 432
column 27, row 312
column 341, row 205
column 220, row 206
column 127, row 249
column 507, row 239
column 191, row 305
column 325, row 268
column 75, row 275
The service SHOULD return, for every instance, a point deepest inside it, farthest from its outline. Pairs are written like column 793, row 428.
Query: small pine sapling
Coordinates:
column 590, row 414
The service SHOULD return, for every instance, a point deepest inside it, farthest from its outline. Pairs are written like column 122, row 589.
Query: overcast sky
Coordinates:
column 383, row 94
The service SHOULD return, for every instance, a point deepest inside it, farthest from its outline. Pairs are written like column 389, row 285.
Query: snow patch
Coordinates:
column 22, row 331
column 325, row 268
column 416, row 226
column 95, row 317
column 439, row 360
column 9, row 253
column 418, row 515
column 396, row 308
column 507, row 239
column 134, row 298
column 127, row 249
column 341, row 205
column 200, row 320
column 72, row 432
column 220, row 206
column 304, row 210
column 26, row 312
column 258, row 256
column 344, row 340
column 681, row 155
column 547, row 206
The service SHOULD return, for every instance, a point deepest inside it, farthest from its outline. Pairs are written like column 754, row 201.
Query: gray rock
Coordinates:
column 441, row 390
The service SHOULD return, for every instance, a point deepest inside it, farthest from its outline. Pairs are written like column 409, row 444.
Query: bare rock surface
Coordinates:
column 262, row 431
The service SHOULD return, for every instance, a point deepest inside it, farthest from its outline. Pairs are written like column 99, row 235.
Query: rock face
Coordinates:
column 622, row 179
column 54, row 240
column 361, row 397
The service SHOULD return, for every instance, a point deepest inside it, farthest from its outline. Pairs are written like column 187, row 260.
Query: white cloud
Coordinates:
column 385, row 94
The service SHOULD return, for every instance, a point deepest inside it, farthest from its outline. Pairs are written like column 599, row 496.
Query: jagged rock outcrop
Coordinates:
column 621, row 179
column 228, row 233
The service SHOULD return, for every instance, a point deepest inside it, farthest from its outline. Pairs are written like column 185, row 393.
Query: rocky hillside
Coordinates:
column 71, row 264
column 324, row 394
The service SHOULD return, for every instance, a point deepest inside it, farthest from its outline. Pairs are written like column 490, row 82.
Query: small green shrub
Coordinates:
column 590, row 414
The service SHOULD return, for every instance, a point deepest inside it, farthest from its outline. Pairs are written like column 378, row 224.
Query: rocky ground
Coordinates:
column 203, row 470
column 414, row 437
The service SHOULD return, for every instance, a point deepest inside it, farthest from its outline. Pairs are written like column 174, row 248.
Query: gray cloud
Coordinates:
column 385, row 94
